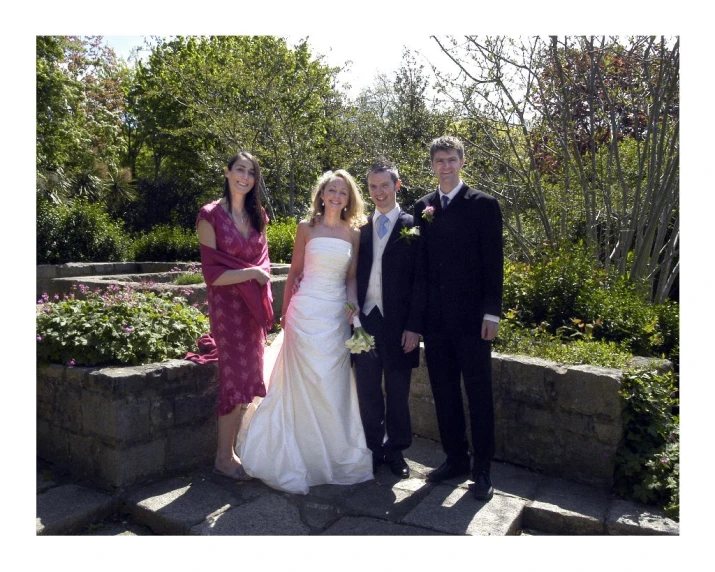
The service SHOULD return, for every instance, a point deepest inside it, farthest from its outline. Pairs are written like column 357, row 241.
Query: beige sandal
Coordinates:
column 238, row 474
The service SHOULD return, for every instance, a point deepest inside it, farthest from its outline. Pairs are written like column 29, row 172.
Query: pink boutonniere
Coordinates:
column 428, row 214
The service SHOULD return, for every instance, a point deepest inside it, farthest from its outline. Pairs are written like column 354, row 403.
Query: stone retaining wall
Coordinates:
column 120, row 426
column 562, row 421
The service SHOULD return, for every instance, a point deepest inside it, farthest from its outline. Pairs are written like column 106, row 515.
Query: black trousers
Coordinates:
column 449, row 359
column 388, row 412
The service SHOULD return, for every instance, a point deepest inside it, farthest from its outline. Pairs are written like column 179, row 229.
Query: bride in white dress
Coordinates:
column 307, row 430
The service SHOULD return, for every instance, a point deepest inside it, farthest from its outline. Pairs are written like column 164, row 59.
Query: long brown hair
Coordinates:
column 253, row 205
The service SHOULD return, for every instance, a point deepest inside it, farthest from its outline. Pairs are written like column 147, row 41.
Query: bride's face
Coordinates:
column 335, row 195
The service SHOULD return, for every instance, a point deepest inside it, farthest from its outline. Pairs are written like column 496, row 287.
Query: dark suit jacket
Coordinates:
column 461, row 260
column 403, row 299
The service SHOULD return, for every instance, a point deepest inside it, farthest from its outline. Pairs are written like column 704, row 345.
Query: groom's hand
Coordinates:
column 296, row 283
column 489, row 330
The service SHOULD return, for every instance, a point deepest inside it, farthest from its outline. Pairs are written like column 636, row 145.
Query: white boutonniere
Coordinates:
column 409, row 234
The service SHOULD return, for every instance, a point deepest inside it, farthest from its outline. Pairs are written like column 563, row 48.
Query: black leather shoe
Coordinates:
column 448, row 470
column 399, row 468
column 482, row 487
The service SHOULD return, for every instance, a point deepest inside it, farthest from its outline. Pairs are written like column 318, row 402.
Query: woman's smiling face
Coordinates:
column 335, row 195
column 241, row 177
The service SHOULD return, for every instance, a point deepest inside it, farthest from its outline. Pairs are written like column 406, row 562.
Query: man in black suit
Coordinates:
column 392, row 310
column 462, row 265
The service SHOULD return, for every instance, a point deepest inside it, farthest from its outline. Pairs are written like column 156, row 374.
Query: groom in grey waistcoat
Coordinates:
column 392, row 305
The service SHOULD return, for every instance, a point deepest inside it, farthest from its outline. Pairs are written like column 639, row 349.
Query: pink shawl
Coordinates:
column 259, row 299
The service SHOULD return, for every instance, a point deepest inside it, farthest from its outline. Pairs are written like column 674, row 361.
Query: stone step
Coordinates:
column 205, row 504
column 68, row 509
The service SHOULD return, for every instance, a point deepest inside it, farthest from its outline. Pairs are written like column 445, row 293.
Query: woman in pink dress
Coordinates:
column 234, row 260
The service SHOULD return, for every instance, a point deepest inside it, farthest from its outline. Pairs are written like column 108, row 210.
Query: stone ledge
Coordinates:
column 561, row 421
column 67, row 509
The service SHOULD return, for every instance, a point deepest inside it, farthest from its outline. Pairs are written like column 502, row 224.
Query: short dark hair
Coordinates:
column 446, row 143
column 383, row 165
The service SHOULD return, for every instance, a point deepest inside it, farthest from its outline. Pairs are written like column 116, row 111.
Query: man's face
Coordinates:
column 383, row 191
column 446, row 166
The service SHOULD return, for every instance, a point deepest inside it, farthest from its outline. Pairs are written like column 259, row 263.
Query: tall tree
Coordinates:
column 80, row 103
column 591, row 127
column 215, row 95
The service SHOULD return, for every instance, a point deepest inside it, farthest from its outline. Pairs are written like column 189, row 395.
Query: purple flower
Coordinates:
column 187, row 292
column 428, row 213
column 39, row 338
column 71, row 363
column 128, row 329
column 664, row 460
column 48, row 309
column 56, row 296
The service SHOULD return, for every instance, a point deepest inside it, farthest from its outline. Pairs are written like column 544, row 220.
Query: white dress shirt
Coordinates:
column 373, row 296
column 451, row 195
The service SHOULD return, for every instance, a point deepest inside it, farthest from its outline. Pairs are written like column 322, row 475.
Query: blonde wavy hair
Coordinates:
column 354, row 213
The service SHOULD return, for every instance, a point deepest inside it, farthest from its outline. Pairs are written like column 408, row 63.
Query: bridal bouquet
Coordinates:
column 361, row 341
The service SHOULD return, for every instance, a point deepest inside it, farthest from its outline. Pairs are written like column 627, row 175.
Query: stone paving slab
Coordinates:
column 456, row 511
column 317, row 515
column 270, row 514
column 67, row 509
column 566, row 507
column 625, row 517
column 176, row 505
column 115, row 526
column 387, row 498
column 515, row 481
column 44, row 482
column 365, row 526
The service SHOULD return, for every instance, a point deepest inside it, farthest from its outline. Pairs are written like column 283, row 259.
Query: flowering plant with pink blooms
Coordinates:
column 428, row 214
column 116, row 326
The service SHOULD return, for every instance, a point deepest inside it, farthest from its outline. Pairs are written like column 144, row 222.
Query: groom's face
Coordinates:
column 383, row 190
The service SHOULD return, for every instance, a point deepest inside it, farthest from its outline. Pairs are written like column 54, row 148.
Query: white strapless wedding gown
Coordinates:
column 307, row 430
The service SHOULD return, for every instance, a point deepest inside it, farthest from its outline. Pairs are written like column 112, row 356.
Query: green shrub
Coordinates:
column 187, row 278
column 567, row 294
column 648, row 460
column 78, row 232
column 514, row 339
column 192, row 275
column 549, row 289
column 165, row 243
column 118, row 326
column 281, row 236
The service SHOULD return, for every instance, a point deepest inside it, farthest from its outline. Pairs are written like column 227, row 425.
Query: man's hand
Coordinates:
column 489, row 330
column 410, row 340
column 296, row 283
